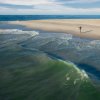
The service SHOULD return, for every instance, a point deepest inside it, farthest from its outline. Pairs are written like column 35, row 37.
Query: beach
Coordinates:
column 90, row 27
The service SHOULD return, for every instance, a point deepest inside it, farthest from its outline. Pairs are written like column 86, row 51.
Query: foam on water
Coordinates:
column 15, row 35
column 66, row 40
column 17, row 31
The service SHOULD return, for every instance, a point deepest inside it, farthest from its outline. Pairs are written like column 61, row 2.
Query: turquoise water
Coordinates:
column 40, row 66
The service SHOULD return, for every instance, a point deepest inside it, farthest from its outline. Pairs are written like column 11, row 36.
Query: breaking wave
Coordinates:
column 17, row 31
column 30, row 74
column 15, row 35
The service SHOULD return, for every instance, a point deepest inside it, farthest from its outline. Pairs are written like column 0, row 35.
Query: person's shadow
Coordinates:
column 87, row 31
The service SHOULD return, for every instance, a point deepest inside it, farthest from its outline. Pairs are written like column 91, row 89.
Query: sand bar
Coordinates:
column 90, row 27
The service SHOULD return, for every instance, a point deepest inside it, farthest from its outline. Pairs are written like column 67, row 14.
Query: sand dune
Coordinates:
column 90, row 27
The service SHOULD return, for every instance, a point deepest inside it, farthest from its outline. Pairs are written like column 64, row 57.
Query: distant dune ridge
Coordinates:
column 90, row 27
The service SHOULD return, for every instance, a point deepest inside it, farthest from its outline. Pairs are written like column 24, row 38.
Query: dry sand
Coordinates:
column 90, row 27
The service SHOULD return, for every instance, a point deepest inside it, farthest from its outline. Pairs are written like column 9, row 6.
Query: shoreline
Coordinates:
column 90, row 27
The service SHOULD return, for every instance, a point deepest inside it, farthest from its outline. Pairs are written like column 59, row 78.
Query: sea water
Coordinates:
column 39, row 17
column 37, row 65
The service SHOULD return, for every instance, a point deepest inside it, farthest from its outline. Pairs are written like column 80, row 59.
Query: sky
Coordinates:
column 49, row 7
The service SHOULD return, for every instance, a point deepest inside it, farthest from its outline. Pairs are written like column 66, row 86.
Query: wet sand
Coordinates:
column 90, row 27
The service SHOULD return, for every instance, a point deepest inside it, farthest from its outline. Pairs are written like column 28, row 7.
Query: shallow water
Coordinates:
column 36, row 65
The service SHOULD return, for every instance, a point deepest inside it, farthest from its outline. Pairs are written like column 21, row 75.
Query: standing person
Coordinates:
column 80, row 28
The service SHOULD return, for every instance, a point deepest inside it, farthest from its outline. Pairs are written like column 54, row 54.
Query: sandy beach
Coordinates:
column 90, row 27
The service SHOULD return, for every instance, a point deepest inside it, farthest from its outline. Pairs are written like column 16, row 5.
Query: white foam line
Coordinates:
column 17, row 31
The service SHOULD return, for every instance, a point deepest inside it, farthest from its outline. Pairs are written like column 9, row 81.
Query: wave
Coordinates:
column 57, row 40
column 83, row 52
column 62, row 41
column 15, row 35
column 95, row 43
column 61, row 45
column 29, row 74
column 17, row 31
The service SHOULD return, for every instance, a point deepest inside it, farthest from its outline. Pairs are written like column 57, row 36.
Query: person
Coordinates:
column 80, row 29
